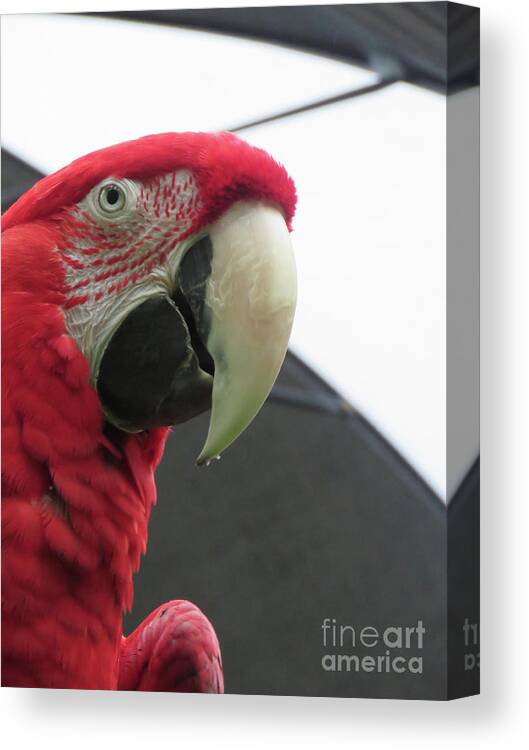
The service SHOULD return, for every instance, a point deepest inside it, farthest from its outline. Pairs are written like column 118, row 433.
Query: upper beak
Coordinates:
column 250, row 301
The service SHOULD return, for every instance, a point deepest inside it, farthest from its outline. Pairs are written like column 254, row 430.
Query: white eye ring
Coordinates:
column 112, row 198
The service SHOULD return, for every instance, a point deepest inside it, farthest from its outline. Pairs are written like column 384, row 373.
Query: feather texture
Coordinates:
column 174, row 649
column 76, row 494
column 74, row 512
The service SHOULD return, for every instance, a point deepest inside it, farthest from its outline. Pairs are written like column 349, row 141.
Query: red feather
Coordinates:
column 76, row 500
column 174, row 649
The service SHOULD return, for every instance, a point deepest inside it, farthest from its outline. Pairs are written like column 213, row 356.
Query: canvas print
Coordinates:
column 240, row 328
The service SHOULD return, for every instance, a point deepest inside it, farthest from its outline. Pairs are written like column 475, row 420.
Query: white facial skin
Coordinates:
column 124, row 253
column 127, row 247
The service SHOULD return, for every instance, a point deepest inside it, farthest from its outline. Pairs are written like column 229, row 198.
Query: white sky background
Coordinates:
column 370, row 229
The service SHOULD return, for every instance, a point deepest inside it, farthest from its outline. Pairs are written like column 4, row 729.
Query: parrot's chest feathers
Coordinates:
column 69, row 559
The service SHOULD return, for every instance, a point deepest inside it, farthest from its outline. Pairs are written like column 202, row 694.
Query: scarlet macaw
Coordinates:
column 142, row 285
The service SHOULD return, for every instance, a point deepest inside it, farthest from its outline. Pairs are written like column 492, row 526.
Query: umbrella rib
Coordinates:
column 346, row 95
column 9, row 196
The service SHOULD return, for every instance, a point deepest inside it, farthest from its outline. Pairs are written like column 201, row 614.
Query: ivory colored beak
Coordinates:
column 251, row 297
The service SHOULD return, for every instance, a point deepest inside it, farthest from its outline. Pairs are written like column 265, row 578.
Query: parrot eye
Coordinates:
column 111, row 198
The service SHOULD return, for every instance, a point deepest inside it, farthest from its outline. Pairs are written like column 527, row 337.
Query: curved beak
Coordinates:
column 213, row 334
column 250, row 299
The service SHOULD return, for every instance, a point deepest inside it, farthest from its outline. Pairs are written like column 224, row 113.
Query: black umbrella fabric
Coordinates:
column 430, row 44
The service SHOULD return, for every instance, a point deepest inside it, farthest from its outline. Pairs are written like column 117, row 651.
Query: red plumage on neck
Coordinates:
column 75, row 502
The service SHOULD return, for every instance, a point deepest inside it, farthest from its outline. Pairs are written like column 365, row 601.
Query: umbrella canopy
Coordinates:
column 330, row 505
column 429, row 44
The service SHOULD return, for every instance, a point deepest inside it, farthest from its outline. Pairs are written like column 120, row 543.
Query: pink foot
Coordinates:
column 174, row 650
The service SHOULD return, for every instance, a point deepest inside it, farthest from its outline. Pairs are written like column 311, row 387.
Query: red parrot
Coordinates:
column 143, row 284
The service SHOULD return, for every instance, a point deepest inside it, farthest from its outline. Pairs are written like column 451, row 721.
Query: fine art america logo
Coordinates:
column 395, row 649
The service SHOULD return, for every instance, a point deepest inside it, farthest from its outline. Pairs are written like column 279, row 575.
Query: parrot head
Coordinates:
column 177, row 276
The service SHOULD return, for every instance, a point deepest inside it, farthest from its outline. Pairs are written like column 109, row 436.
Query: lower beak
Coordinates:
column 250, row 298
